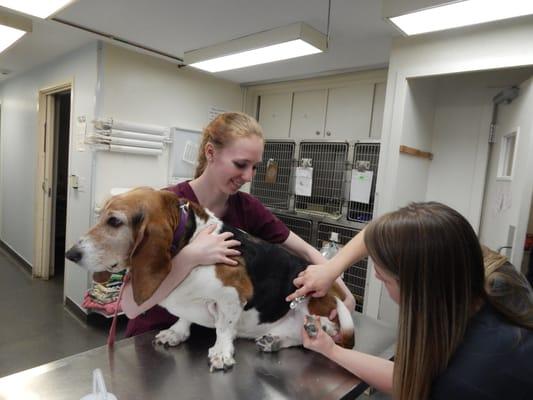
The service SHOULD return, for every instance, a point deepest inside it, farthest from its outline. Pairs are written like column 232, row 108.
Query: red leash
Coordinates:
column 113, row 330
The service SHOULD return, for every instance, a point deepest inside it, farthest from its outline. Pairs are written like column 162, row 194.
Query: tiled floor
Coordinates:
column 35, row 326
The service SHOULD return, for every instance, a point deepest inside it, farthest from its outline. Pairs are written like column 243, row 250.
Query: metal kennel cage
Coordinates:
column 303, row 227
column 366, row 158
column 355, row 276
column 328, row 160
column 274, row 192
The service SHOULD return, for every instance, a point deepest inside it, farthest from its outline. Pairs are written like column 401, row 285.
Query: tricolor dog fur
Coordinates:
column 136, row 231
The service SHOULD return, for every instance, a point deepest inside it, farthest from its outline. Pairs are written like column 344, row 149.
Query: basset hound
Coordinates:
column 144, row 228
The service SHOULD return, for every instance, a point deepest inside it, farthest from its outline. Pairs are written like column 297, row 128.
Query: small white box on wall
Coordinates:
column 183, row 154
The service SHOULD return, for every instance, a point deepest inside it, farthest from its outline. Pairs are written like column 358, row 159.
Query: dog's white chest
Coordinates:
column 194, row 297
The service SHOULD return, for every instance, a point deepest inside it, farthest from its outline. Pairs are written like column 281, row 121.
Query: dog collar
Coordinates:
column 180, row 230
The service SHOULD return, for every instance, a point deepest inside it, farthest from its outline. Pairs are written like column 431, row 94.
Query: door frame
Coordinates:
column 44, row 182
column 526, row 200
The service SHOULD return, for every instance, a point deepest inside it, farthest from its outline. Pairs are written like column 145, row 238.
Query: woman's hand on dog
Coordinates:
column 213, row 248
column 315, row 280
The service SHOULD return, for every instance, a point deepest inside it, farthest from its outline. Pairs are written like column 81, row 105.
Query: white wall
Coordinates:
column 417, row 132
column 460, row 142
column 19, row 98
column 149, row 90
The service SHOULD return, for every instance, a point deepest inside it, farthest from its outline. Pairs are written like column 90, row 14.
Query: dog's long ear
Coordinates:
column 150, row 257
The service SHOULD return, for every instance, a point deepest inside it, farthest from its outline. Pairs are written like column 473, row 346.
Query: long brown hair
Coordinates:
column 435, row 255
column 222, row 130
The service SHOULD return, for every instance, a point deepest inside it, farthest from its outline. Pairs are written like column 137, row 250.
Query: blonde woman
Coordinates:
column 461, row 336
column 230, row 150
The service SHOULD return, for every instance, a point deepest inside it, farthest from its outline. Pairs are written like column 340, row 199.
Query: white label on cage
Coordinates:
column 360, row 186
column 190, row 153
column 304, row 181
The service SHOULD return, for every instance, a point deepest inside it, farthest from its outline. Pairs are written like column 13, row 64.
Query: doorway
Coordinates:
column 52, row 181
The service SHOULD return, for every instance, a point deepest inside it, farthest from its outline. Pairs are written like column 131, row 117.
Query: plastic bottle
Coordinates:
column 330, row 248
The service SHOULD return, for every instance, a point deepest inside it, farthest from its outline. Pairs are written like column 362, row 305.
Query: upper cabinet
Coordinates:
column 275, row 115
column 341, row 113
column 342, row 107
column 349, row 112
column 308, row 115
column 337, row 107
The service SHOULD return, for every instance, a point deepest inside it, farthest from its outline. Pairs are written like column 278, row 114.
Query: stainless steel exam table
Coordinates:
column 136, row 369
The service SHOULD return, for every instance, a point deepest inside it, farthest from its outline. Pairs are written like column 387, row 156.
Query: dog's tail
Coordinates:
column 347, row 328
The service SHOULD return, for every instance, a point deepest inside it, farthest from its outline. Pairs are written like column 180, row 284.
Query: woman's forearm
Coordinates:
column 352, row 252
column 183, row 263
column 375, row 371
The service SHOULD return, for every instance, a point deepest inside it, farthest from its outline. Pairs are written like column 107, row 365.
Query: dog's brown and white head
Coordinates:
column 135, row 231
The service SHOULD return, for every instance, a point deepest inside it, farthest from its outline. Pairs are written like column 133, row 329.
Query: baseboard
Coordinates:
column 16, row 256
column 74, row 309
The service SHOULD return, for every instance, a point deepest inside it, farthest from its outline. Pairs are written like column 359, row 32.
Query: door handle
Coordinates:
column 74, row 182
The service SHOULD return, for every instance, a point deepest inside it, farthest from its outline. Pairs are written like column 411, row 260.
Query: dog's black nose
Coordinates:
column 74, row 254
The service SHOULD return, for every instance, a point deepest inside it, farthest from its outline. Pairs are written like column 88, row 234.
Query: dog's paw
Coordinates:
column 169, row 337
column 268, row 343
column 219, row 361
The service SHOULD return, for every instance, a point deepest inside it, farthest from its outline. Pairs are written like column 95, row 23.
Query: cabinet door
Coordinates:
column 308, row 113
column 377, row 111
column 349, row 112
column 275, row 115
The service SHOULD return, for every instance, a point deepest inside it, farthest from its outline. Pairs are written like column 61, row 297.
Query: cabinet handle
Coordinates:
column 328, row 133
column 317, row 133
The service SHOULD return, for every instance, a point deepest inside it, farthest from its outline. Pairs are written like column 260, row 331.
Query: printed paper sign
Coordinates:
column 304, row 181
column 360, row 186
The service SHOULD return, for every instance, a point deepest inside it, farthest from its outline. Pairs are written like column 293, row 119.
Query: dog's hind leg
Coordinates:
column 271, row 343
column 227, row 312
column 283, row 335
column 176, row 334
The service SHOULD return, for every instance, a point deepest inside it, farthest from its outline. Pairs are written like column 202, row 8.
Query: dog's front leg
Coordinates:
column 177, row 333
column 227, row 313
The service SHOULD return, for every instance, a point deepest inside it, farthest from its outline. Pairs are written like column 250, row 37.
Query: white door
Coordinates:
column 507, row 200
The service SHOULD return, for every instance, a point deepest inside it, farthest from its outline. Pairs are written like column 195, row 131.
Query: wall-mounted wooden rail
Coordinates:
column 415, row 152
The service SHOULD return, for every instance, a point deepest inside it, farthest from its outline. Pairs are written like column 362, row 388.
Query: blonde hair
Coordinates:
column 507, row 289
column 435, row 254
column 222, row 130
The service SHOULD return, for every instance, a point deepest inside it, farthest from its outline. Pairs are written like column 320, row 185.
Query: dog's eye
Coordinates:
column 114, row 222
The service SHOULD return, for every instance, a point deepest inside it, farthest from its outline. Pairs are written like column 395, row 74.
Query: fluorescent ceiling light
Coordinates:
column 37, row 8
column 8, row 36
column 12, row 28
column 463, row 13
column 283, row 43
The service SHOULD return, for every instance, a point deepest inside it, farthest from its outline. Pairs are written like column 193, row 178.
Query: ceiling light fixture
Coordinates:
column 12, row 28
column 283, row 43
column 458, row 14
column 37, row 8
